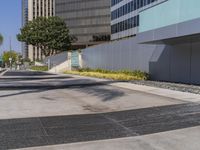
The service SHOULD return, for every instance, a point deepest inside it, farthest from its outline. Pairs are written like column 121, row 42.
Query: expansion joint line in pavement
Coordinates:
column 129, row 131
column 45, row 132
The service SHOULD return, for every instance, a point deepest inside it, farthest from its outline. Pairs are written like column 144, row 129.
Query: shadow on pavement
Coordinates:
column 104, row 93
column 90, row 87
column 27, row 73
column 32, row 78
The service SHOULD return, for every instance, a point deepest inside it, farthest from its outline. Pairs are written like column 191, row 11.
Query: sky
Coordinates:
column 10, row 23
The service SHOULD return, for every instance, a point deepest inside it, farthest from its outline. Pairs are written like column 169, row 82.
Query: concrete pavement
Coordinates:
column 178, row 95
column 46, row 111
column 184, row 139
column 30, row 96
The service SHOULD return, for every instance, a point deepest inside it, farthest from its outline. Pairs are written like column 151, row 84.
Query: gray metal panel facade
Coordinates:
column 187, row 28
column 195, row 63
column 123, row 54
column 57, row 59
column 165, row 62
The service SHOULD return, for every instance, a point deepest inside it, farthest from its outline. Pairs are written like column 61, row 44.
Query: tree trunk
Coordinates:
column 52, row 52
column 45, row 51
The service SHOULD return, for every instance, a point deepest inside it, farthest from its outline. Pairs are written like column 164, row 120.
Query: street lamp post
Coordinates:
column 10, row 59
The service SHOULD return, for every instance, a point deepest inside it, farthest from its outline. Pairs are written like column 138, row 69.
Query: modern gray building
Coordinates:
column 88, row 20
column 166, row 45
column 125, row 17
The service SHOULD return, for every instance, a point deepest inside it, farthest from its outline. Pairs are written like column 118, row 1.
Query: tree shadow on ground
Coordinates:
column 91, row 87
column 104, row 92
column 15, row 79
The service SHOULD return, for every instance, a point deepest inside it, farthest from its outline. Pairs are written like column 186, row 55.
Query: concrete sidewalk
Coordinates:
column 27, row 98
column 183, row 96
column 184, row 139
column 98, row 98
column 69, row 109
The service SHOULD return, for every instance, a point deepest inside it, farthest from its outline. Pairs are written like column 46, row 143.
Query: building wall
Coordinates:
column 24, row 21
column 160, row 16
column 116, row 55
column 85, row 19
column 168, row 47
column 174, row 62
column 56, row 59
column 125, row 17
column 36, row 8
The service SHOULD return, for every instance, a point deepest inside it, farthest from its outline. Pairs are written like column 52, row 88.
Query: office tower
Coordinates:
column 24, row 21
column 88, row 20
column 34, row 9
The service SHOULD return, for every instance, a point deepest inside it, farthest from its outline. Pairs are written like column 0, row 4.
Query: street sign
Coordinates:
column 75, row 59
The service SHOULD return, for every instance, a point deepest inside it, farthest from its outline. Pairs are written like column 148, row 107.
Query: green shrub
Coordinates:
column 84, row 69
column 109, row 74
column 39, row 68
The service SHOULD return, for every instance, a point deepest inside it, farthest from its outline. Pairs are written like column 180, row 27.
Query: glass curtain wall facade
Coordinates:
column 125, row 18
column 88, row 20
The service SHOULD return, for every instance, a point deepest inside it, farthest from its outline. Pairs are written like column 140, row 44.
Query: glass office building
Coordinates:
column 88, row 20
column 125, row 17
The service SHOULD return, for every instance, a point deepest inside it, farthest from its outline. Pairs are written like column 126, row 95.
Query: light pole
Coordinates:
column 10, row 59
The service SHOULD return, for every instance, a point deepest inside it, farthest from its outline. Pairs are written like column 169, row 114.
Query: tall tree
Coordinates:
column 50, row 34
column 9, row 54
column 1, row 39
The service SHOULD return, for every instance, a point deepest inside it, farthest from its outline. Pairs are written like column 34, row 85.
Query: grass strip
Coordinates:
column 114, row 75
column 39, row 68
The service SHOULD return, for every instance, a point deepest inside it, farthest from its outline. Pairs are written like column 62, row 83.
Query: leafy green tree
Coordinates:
column 1, row 39
column 9, row 54
column 50, row 34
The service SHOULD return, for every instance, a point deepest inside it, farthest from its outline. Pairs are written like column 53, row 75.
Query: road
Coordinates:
column 41, row 109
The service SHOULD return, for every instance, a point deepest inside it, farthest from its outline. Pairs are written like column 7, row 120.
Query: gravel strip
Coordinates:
column 172, row 86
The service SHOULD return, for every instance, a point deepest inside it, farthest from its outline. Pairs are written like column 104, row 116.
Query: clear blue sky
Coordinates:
column 10, row 23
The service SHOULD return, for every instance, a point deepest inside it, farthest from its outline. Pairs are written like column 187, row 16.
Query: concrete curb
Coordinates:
column 3, row 72
column 183, row 96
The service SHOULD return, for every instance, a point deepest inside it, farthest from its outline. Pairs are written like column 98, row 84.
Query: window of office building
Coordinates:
column 114, row 2
column 125, row 25
column 129, row 7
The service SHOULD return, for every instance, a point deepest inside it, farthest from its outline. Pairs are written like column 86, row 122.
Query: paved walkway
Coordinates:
column 44, row 111
column 41, row 95
column 184, row 139
column 174, row 94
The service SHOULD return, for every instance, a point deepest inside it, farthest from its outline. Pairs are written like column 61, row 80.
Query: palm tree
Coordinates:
column 1, row 39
